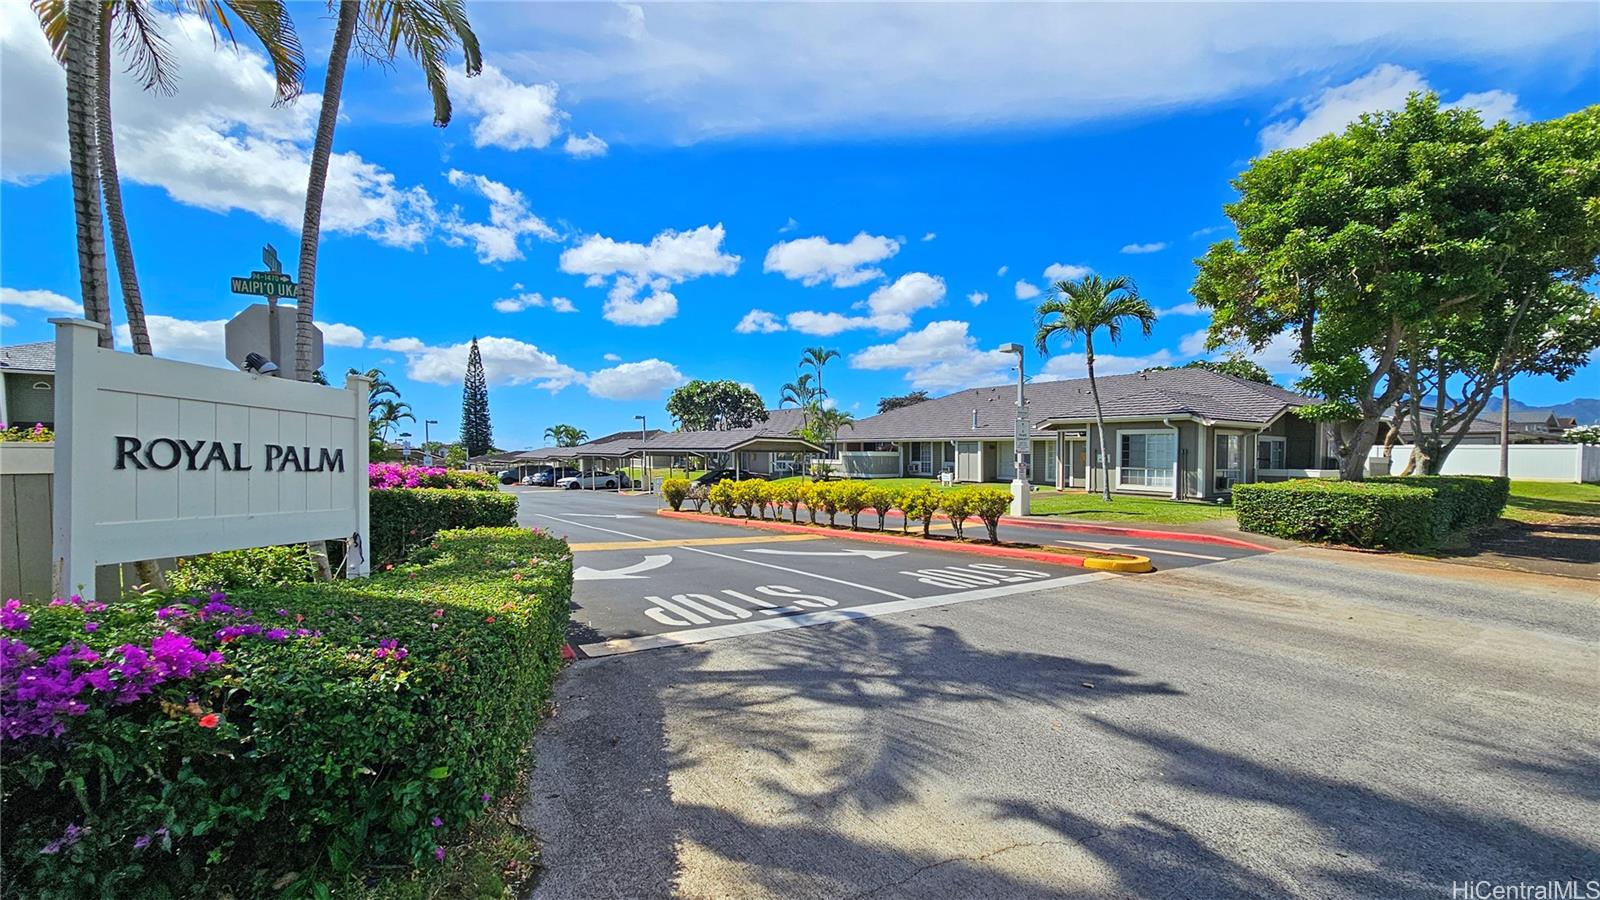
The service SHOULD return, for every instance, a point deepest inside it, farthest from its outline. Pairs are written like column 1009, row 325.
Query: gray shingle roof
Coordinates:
column 777, row 429
column 1196, row 392
column 36, row 357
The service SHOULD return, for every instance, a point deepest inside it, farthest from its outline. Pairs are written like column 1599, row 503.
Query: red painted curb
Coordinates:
column 1062, row 559
column 1115, row 531
column 567, row 652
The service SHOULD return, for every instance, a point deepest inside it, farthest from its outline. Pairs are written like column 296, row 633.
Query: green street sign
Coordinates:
column 265, row 284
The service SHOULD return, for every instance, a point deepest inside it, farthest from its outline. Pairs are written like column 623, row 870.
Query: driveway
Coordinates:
column 644, row 581
column 1308, row 723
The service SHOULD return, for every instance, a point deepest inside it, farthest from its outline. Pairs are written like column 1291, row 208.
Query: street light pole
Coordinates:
column 427, row 449
column 1021, row 446
column 644, row 454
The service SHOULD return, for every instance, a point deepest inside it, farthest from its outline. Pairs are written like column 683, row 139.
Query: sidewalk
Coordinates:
column 1210, row 531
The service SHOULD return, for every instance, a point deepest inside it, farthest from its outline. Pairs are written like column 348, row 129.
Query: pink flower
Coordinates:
column 210, row 720
column 438, row 854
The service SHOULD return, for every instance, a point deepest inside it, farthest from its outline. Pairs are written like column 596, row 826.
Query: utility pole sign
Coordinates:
column 272, row 283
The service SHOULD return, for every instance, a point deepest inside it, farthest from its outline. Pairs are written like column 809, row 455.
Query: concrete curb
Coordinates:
column 1127, row 562
column 1149, row 533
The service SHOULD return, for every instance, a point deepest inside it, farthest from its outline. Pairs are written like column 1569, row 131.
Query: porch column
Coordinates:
column 1203, row 459
column 1061, row 467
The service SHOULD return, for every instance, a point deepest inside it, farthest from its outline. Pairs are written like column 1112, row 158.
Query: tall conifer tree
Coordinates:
column 475, row 431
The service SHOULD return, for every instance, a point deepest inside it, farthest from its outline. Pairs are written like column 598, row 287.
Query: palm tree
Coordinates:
column 1082, row 306
column 816, row 358
column 799, row 391
column 389, row 414
column 429, row 29
column 381, row 387
column 138, row 35
column 80, row 40
column 565, row 435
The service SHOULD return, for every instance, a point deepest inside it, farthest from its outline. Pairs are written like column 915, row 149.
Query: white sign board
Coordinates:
column 156, row 458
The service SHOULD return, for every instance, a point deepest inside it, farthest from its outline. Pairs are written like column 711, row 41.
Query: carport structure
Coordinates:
column 738, row 444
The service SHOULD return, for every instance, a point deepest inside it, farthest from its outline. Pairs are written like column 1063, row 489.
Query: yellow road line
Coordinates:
column 696, row 542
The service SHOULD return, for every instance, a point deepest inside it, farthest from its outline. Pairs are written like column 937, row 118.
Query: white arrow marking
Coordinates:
column 869, row 554
column 601, row 516
column 1099, row 545
column 584, row 573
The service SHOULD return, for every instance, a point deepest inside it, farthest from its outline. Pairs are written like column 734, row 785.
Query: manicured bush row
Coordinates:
column 754, row 498
column 279, row 740
column 1389, row 513
column 403, row 519
column 233, row 569
column 1472, row 500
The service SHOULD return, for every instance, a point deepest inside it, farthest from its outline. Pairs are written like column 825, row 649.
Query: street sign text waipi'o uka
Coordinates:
column 261, row 328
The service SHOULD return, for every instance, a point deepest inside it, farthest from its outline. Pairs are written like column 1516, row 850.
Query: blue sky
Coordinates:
column 630, row 196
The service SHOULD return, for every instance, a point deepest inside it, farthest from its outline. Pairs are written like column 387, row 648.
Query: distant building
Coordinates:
column 28, row 384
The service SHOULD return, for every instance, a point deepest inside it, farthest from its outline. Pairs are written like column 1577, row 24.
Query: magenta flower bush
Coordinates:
column 275, row 739
column 392, row 475
column 23, row 434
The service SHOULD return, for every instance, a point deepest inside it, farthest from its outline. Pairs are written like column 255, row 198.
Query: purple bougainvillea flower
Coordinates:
column 12, row 618
column 438, row 854
column 275, row 634
column 91, row 627
column 486, row 799
column 437, row 822
column 141, row 842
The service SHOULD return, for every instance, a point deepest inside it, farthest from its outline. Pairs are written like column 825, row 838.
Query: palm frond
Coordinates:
column 269, row 21
column 140, row 40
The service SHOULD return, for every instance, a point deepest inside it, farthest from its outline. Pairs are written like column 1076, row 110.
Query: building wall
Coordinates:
column 24, row 404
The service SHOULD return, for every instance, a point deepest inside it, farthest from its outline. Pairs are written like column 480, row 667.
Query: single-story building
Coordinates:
column 28, row 384
column 1182, row 433
column 1526, row 427
column 769, row 448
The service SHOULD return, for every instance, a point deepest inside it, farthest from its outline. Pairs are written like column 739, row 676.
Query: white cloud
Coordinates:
column 687, row 72
column 511, row 115
column 940, row 356
column 1065, row 272
column 624, row 306
column 1001, row 272
column 826, row 324
column 185, row 339
column 6, row 321
column 519, row 303
column 586, row 147
column 789, row 226
column 335, row 334
column 670, row 257
column 562, row 305
column 977, row 297
column 1384, row 88
column 635, row 380
column 1026, row 290
column 675, row 255
column 1074, row 365
column 1193, row 343
column 1276, row 356
column 1209, row 230
column 758, row 321
column 908, row 293
column 49, row 301
column 1182, row 309
column 499, row 239
column 506, row 361
column 929, row 236
column 1152, row 247
column 217, row 144
column 814, row 260
column 611, row 357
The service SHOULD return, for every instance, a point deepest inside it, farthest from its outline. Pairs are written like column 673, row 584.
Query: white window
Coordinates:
column 1146, row 458
column 1229, row 460
column 1270, row 452
column 1044, row 461
column 920, row 458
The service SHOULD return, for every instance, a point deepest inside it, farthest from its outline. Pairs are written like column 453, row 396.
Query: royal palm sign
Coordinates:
column 156, row 458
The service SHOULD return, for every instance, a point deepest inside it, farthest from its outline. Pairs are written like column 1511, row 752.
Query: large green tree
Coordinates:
column 715, row 406
column 1079, row 308
column 1366, row 245
column 1235, row 365
column 900, row 401
column 476, row 433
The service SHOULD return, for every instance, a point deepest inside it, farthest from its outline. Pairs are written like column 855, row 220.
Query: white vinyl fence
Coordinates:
column 1528, row 462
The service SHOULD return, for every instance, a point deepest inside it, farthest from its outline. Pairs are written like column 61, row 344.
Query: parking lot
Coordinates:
column 644, row 581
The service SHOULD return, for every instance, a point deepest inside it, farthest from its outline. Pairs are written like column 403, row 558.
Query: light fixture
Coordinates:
column 255, row 362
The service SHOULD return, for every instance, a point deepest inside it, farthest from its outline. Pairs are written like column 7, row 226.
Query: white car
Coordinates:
column 601, row 480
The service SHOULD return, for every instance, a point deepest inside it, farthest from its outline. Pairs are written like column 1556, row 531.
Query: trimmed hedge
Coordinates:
column 282, row 740
column 1394, row 513
column 232, row 569
column 410, row 517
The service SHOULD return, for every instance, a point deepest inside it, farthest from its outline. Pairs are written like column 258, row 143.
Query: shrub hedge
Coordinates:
column 675, row 489
column 390, row 475
column 1471, row 499
column 1391, row 514
column 403, row 519
column 280, row 740
column 233, row 569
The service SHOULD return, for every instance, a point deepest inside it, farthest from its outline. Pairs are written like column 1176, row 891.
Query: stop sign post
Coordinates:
column 266, row 329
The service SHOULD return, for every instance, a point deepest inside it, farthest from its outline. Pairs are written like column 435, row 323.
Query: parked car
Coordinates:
column 548, row 478
column 601, row 480
column 716, row 475
column 527, row 481
column 508, row 477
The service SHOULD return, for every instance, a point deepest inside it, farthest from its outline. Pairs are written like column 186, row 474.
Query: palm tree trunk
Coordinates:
column 1100, row 419
column 121, row 246
column 83, row 25
column 321, row 153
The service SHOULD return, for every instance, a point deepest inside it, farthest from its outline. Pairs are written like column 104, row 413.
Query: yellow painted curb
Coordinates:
column 1122, row 562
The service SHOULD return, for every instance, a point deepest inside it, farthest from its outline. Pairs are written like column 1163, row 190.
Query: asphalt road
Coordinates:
column 645, row 581
column 1307, row 723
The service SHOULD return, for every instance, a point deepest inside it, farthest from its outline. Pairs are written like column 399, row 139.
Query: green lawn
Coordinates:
column 1124, row 508
column 1543, row 501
